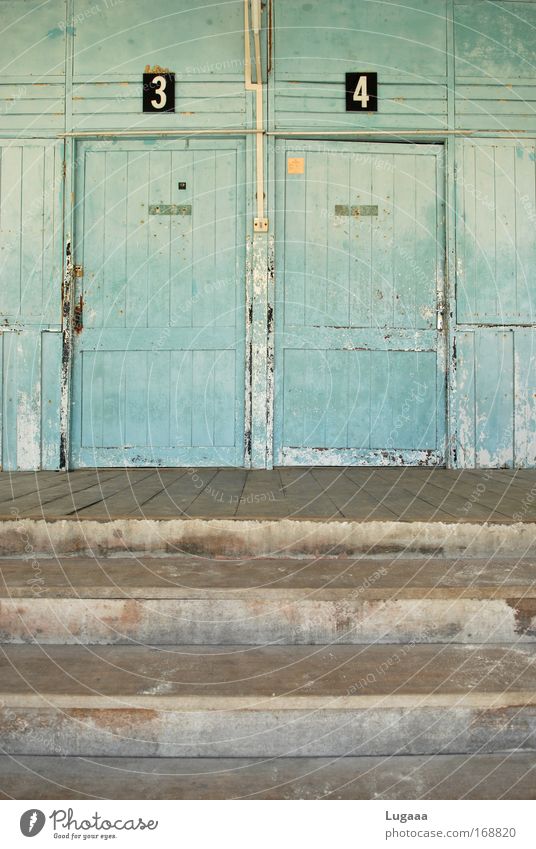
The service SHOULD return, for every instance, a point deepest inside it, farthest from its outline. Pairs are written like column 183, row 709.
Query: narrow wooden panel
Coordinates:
column 182, row 296
column 90, row 205
column 159, row 240
column 524, row 168
column 293, row 247
column 50, row 399
column 114, row 260
column 426, row 268
column 135, row 411
column 485, row 234
column 338, row 400
column 494, row 380
column 158, row 399
column 315, row 236
column 30, row 231
column 10, row 228
column 223, row 288
column 338, row 230
column 203, row 398
column 360, row 244
column 360, row 382
column 406, row 216
column 21, row 414
column 34, row 230
column 2, row 390
column 181, row 398
column 496, row 238
column 204, row 235
column 226, row 410
column 525, row 397
column 505, row 230
column 383, row 235
column 137, row 240
column 91, row 403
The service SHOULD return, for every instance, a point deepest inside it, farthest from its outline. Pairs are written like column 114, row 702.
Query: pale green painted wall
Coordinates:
column 452, row 70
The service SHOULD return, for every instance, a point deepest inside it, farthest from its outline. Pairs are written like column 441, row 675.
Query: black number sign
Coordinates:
column 362, row 92
column 159, row 92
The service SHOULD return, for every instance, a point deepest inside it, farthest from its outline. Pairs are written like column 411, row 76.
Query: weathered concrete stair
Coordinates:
column 268, row 678
column 313, row 601
column 264, row 702
column 509, row 775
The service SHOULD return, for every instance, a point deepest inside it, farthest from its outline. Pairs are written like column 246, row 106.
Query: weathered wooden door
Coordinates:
column 158, row 374
column 359, row 351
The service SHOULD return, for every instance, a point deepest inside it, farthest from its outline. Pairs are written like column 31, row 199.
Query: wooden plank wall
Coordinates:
column 30, row 319
column 442, row 64
column 466, row 67
column 76, row 65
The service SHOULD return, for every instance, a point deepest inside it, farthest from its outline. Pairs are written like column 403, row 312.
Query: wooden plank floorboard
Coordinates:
column 305, row 497
column 75, row 501
column 175, row 500
column 220, row 498
column 448, row 500
column 353, row 500
column 345, row 493
column 31, row 503
column 263, row 495
column 129, row 500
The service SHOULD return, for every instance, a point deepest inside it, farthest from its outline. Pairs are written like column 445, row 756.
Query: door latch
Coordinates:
column 440, row 311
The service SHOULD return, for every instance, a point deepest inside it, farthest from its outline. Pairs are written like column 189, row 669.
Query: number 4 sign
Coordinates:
column 159, row 92
column 362, row 92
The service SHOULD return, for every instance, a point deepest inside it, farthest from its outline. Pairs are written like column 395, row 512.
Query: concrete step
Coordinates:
column 236, row 701
column 185, row 600
column 509, row 775
column 266, row 537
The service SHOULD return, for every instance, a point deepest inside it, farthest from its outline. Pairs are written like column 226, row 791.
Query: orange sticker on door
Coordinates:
column 296, row 165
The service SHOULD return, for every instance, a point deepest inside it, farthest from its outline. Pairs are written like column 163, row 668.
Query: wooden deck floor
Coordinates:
column 357, row 494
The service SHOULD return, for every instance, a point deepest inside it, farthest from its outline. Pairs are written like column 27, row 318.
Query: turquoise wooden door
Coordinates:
column 158, row 374
column 360, row 363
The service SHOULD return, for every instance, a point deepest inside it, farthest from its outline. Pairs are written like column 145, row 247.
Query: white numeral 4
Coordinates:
column 360, row 93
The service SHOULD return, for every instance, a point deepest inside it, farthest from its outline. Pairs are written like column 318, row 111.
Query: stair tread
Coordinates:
column 490, row 776
column 337, row 677
column 189, row 577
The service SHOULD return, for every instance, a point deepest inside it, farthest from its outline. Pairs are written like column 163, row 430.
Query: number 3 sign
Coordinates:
column 159, row 92
column 362, row 92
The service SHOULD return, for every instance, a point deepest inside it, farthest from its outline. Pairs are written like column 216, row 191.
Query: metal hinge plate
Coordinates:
column 260, row 225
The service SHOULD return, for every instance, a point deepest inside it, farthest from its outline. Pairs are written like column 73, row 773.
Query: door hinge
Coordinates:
column 260, row 225
column 440, row 311
column 79, row 271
